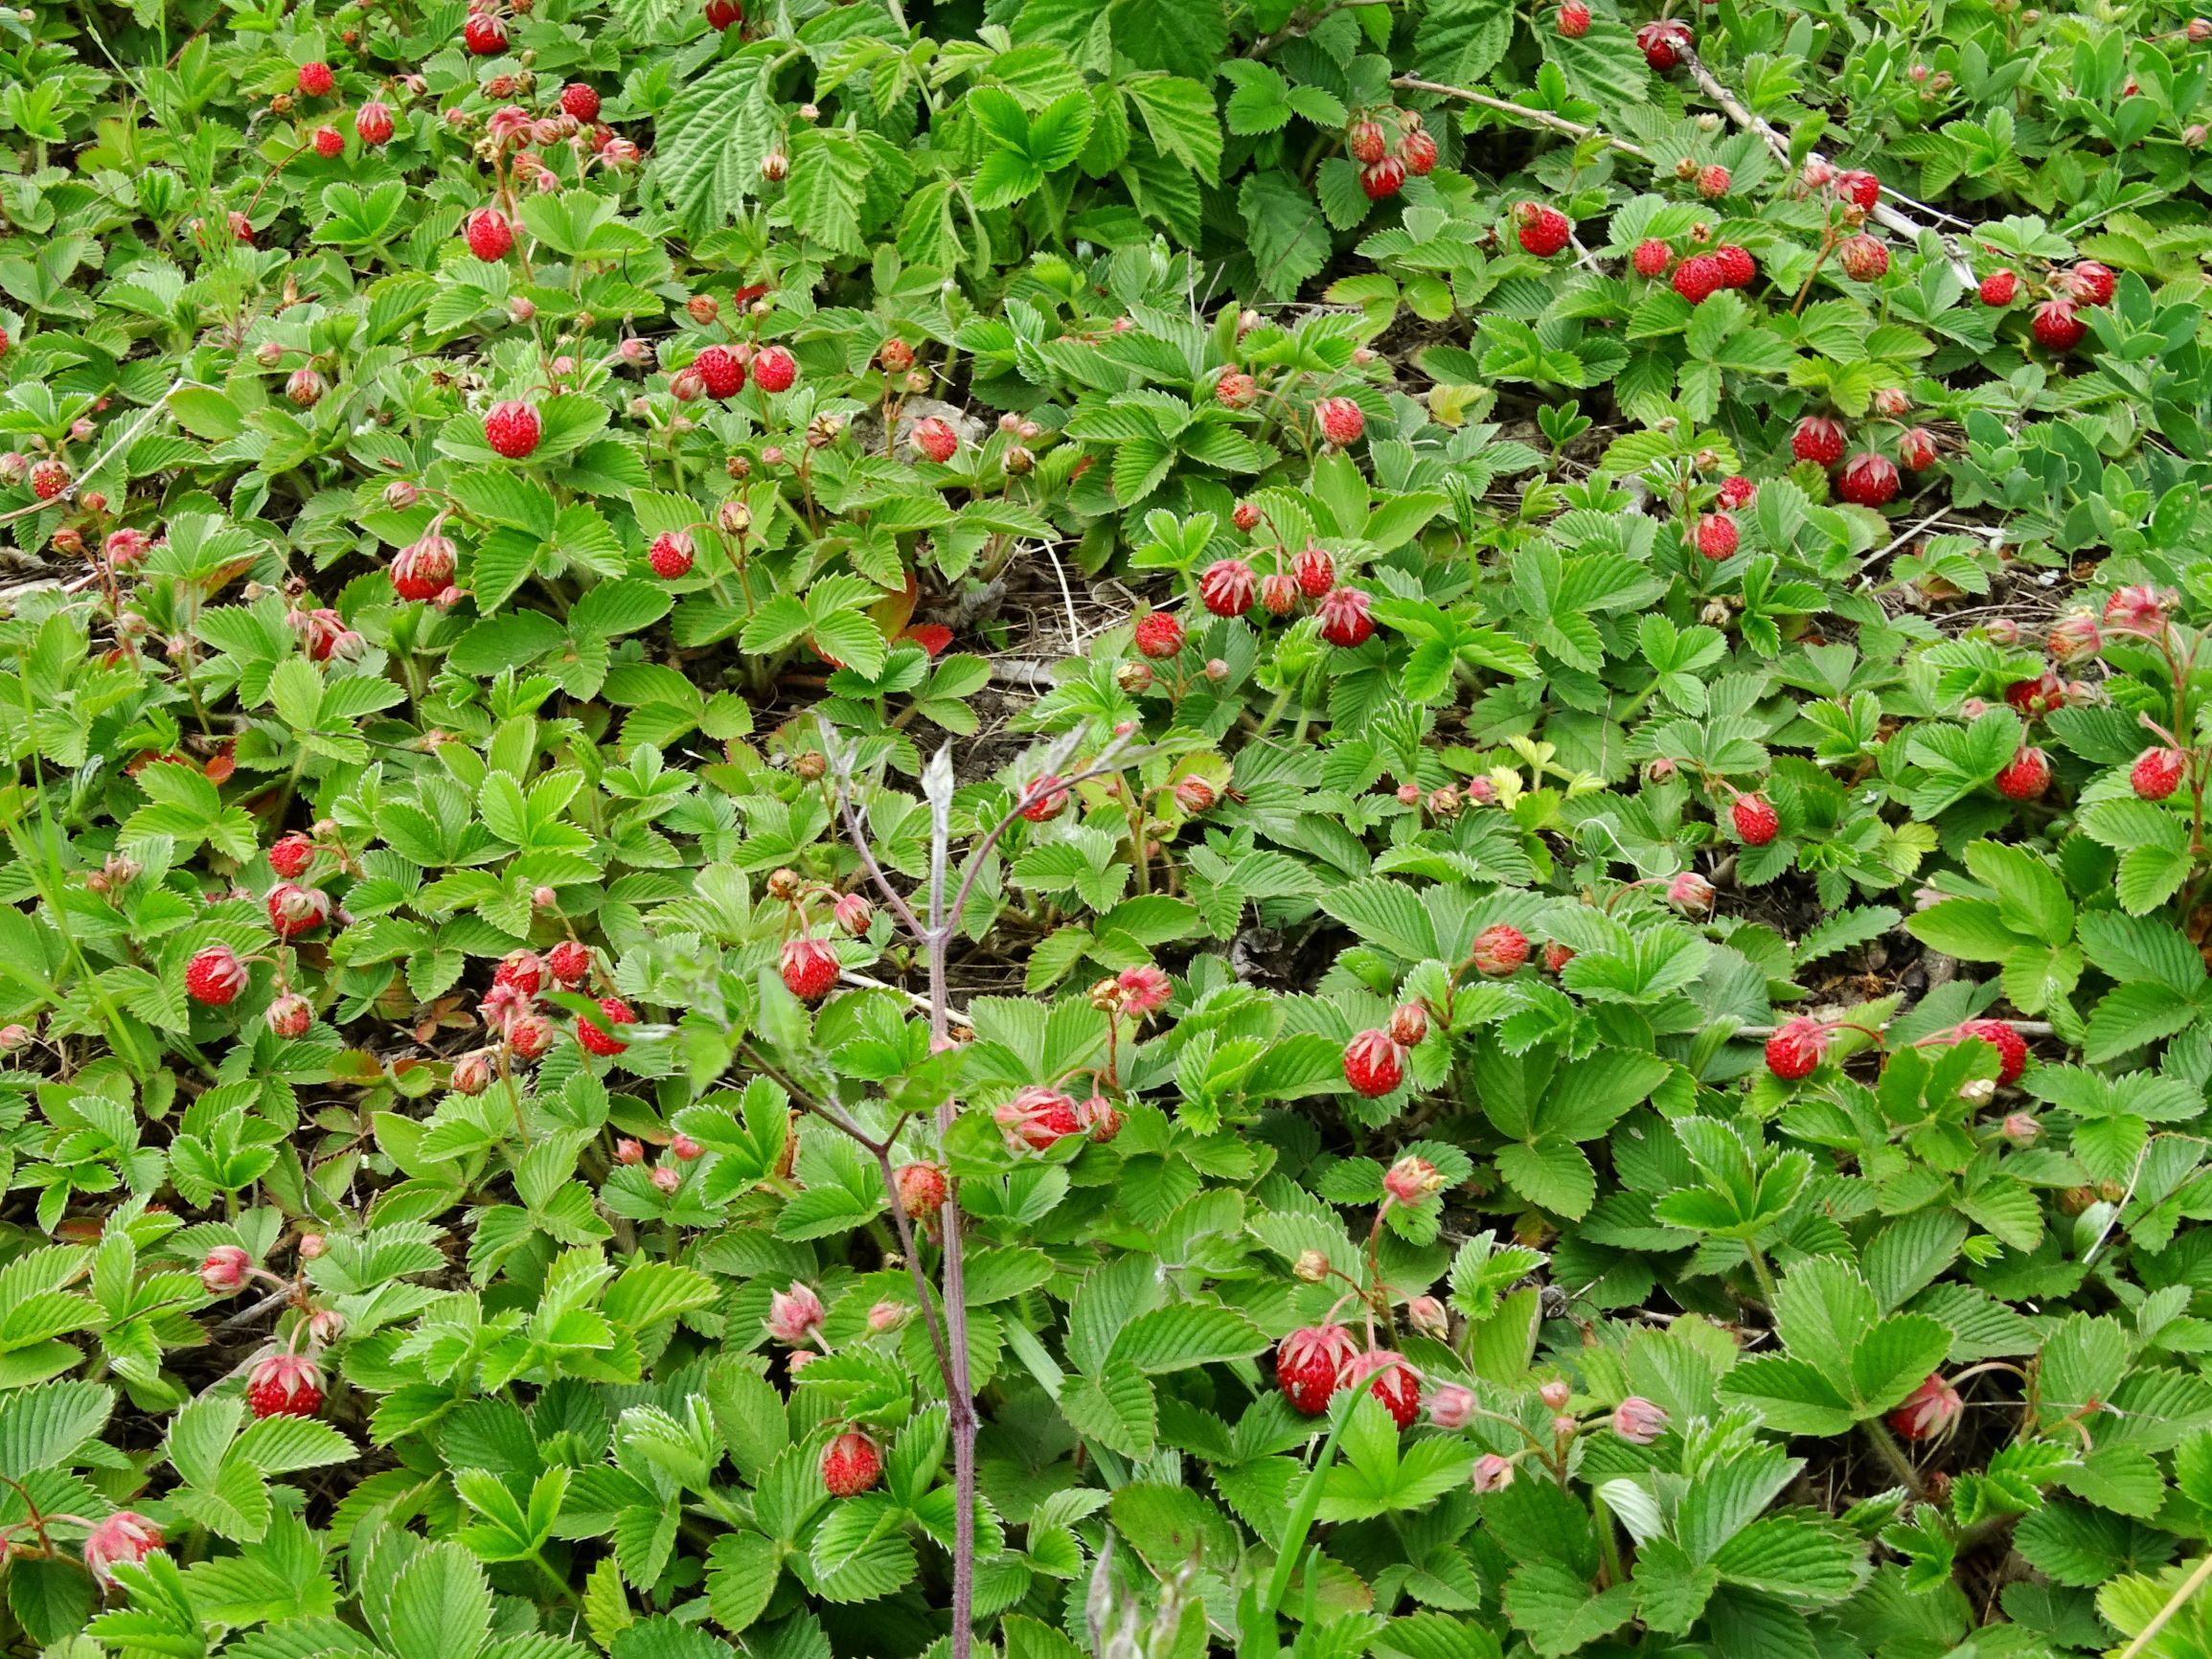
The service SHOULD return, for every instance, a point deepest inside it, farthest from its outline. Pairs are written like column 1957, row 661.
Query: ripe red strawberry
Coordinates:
column 1044, row 800
column 1396, row 1383
column 851, row 1465
column 291, row 854
column 1373, row 1064
column 1543, row 229
column 2156, row 773
column 315, row 79
column 671, row 555
column 1651, row 258
column 810, row 969
column 1384, row 179
column 1340, row 421
column 1738, row 269
column 1818, row 440
column 2025, row 776
column 2000, row 288
column 1315, row 571
column 1344, row 616
column 612, row 1011
column 1737, row 494
column 488, row 234
column 1499, row 948
column 1868, row 480
column 1227, row 586
column 2055, row 326
column 1713, row 181
column 1310, row 1361
column 373, row 122
column 290, row 1016
column 721, row 14
column 484, row 33
column 1159, row 635
column 581, row 101
column 424, row 569
column 1574, row 19
column 2039, row 696
column 1757, row 822
column 529, row 1035
column 569, row 961
column 721, row 370
column 1698, row 277
column 922, row 1190
column 1235, row 390
column 214, row 976
column 1916, row 448
column 48, row 478
column 935, row 439
column 2090, row 283
column 2012, row 1048
column 1863, row 259
column 1366, row 142
column 284, row 1385
column 1418, row 151
column 1798, row 1048
column 775, row 368
column 330, row 143
column 1663, row 43
column 1716, row 535
column 513, row 429
column 522, row 970
column 296, row 910
column 1036, row 1119
column 1860, row 188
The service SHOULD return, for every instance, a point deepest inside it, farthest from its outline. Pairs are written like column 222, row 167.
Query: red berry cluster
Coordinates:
column 1386, row 161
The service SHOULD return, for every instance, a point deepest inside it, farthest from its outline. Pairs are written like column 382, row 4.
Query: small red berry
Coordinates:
column 1737, row 494
column 296, row 910
column 1366, row 142
column 1227, row 587
column 1713, row 181
column 612, row 1011
column 1757, row 822
column 1418, row 151
column 1863, row 259
column 1574, row 19
column 1716, row 535
column 721, row 14
column 1662, row 44
column 720, row 369
column 1818, row 440
column 569, row 961
column 284, row 1385
column 1373, row 1064
column 581, row 101
column 1861, row 189
column 291, row 854
column 775, row 370
column 48, row 478
column 2012, row 1048
column 1044, row 800
column 851, row 1465
column 424, row 569
column 2039, row 696
column 1698, row 277
column 1315, row 571
column 1798, row 1048
column 484, row 33
column 1738, row 269
column 1868, row 480
column 922, row 1190
column 810, row 969
column 330, row 143
column 1917, row 449
column 1235, row 390
column 935, row 438
column 488, row 235
column 1499, row 949
column 2090, row 283
column 2156, row 773
column 1384, row 179
column 671, row 555
column 315, row 79
column 1651, row 258
column 2055, row 327
column 1396, row 1383
column 1340, row 419
column 1310, row 1361
column 214, row 976
column 1344, row 613
column 1543, row 229
column 513, row 429
column 2025, row 776
column 2000, row 288
column 373, row 122
column 1159, row 635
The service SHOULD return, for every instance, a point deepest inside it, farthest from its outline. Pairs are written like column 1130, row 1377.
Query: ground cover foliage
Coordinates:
column 1082, row 828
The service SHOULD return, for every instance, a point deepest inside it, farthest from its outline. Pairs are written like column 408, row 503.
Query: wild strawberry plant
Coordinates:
column 1080, row 828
